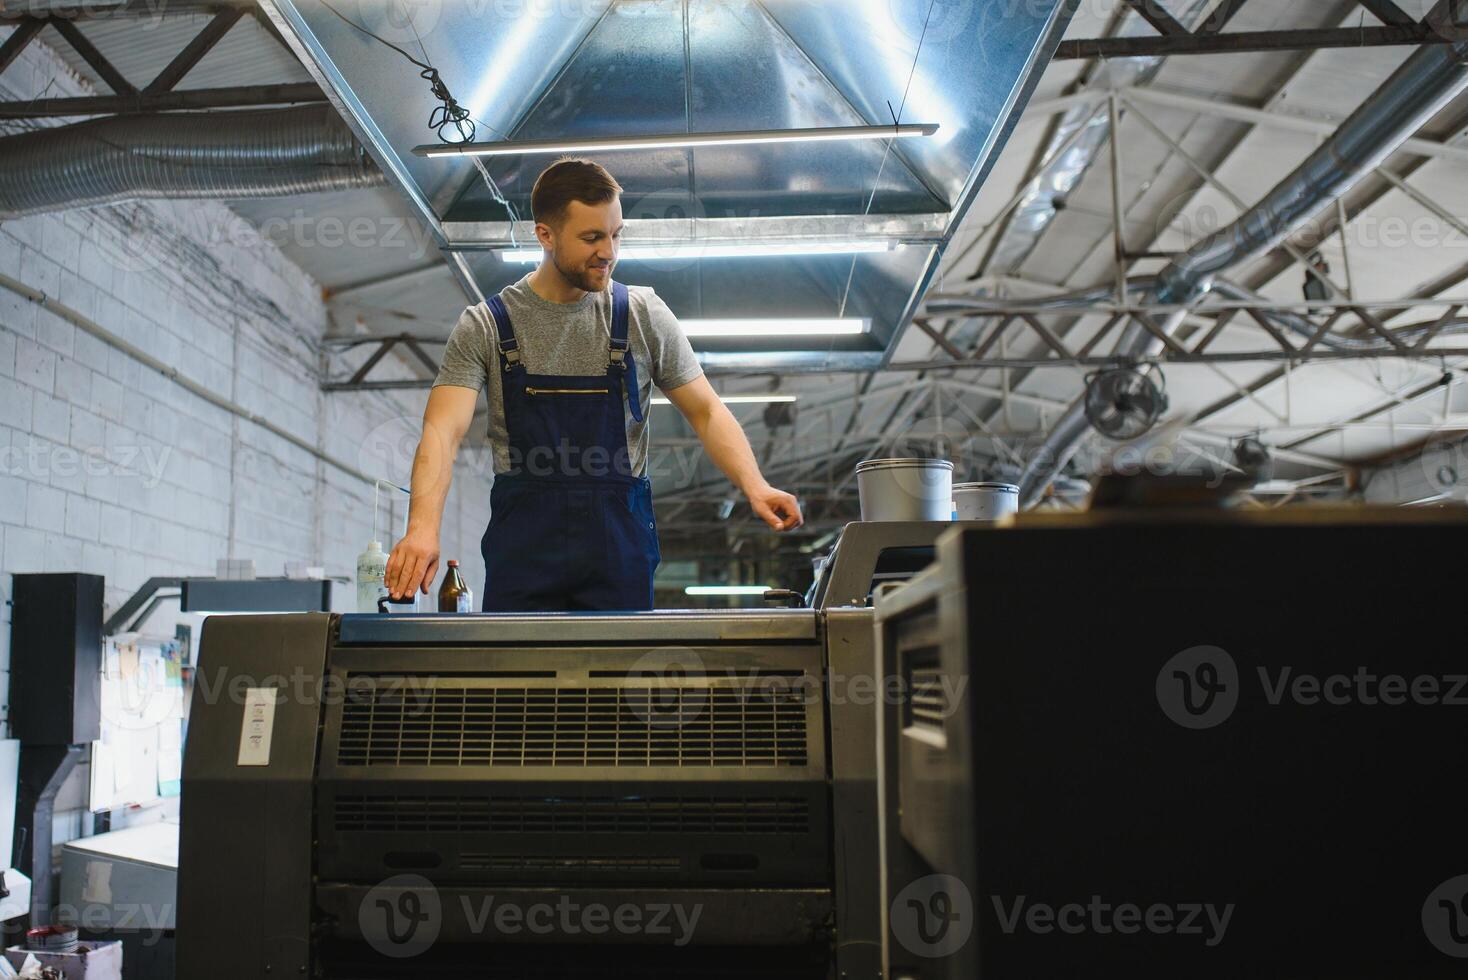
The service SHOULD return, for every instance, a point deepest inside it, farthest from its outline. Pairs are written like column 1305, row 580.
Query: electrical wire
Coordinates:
column 449, row 114
column 876, row 183
column 499, row 198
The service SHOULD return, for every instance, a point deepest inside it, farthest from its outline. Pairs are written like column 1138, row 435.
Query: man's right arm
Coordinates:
column 413, row 563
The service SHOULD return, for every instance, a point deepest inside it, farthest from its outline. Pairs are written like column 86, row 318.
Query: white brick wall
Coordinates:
column 109, row 468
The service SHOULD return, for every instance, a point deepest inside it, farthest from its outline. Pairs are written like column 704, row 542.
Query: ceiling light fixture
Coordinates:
column 602, row 144
column 725, row 589
column 722, row 250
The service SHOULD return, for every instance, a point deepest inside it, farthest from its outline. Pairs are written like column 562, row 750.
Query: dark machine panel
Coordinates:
column 245, row 859
column 56, row 658
column 425, row 769
column 528, row 765
column 465, row 763
column 1174, row 712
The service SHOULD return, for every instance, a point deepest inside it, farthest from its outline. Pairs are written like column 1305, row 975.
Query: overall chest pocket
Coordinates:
column 568, row 427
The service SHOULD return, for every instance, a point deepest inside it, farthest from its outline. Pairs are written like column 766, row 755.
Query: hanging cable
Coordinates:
column 449, row 119
column 448, row 113
column 499, row 198
column 876, row 183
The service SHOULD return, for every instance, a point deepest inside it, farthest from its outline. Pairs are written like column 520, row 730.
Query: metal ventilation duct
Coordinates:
column 603, row 68
column 1089, row 128
column 259, row 153
column 1408, row 100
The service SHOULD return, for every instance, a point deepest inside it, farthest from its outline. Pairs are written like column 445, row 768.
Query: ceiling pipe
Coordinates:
column 256, row 153
column 1076, row 142
column 1083, row 300
column 1426, row 82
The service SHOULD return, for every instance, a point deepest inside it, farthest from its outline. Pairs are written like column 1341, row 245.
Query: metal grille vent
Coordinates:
column 927, row 699
column 482, row 861
column 573, row 726
column 584, row 815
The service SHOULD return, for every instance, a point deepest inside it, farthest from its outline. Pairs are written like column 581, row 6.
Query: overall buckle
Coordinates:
column 510, row 353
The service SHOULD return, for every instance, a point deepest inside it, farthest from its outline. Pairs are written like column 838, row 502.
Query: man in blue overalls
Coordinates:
column 569, row 358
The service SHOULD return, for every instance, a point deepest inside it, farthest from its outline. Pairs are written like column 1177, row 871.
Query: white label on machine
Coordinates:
column 97, row 887
column 258, row 724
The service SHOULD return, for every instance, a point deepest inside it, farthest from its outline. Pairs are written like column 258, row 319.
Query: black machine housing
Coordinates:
column 1167, row 710
column 684, row 759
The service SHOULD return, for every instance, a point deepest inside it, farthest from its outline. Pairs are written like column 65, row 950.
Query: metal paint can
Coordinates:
column 985, row 501
column 908, row 489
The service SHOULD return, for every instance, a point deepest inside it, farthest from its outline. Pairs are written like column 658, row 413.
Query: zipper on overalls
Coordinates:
column 565, row 391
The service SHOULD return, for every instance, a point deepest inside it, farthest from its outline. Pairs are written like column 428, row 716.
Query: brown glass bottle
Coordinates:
column 454, row 595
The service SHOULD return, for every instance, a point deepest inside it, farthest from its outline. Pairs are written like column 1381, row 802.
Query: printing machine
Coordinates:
column 356, row 783
column 418, row 773
column 1261, row 711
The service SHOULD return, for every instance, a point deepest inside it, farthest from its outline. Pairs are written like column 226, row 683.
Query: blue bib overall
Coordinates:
column 570, row 527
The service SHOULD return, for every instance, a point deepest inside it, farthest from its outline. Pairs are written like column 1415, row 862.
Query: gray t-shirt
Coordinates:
column 569, row 339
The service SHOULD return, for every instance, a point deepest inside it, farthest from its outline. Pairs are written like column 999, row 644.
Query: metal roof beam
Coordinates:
column 1387, row 12
column 1239, row 42
column 1212, row 180
column 391, row 278
column 19, row 38
column 92, row 56
column 202, row 98
column 102, row 9
column 1155, row 14
column 1219, row 18
column 1279, row 120
column 190, row 56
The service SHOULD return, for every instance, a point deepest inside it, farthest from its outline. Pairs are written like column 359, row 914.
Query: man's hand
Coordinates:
column 778, row 508
column 413, row 563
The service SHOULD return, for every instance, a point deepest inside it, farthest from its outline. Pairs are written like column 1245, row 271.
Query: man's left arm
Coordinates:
column 728, row 447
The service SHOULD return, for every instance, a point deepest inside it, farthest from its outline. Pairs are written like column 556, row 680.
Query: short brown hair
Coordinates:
column 570, row 179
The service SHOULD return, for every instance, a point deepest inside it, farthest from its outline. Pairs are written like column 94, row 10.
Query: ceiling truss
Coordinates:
column 1173, row 39
column 160, row 94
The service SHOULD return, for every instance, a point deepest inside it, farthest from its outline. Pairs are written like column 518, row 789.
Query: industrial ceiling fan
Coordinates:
column 1123, row 403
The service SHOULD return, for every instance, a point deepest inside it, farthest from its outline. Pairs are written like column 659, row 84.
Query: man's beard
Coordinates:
column 580, row 278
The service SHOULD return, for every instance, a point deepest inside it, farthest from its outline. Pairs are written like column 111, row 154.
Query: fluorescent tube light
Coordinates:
column 792, row 327
column 598, row 144
column 721, row 250
column 737, row 399
column 725, row 589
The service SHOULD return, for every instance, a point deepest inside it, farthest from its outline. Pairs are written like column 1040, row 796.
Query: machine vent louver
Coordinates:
column 394, row 724
column 481, row 861
column 389, row 813
column 927, row 700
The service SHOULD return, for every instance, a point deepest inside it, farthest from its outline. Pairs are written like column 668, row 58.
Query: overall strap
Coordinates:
column 505, row 331
column 619, row 351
